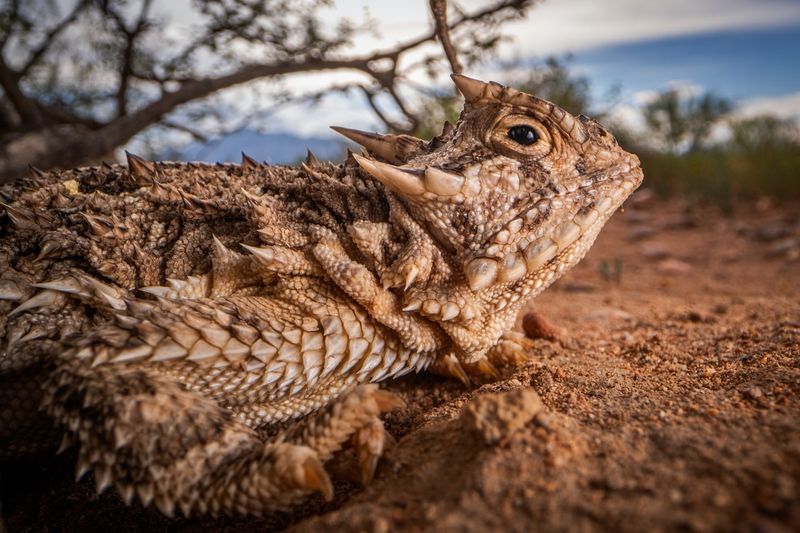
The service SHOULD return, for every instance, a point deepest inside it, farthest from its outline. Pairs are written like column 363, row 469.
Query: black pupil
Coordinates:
column 524, row 135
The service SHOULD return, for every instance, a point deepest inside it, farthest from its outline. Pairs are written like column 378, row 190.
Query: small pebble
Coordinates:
column 536, row 326
column 495, row 417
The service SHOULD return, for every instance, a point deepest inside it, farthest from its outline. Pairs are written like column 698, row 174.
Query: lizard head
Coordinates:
column 517, row 187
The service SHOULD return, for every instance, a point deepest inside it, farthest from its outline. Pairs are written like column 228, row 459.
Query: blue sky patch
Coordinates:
column 741, row 64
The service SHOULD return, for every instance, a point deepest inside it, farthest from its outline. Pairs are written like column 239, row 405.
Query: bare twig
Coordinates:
column 126, row 65
column 9, row 23
column 371, row 100
column 37, row 54
column 439, row 11
column 186, row 129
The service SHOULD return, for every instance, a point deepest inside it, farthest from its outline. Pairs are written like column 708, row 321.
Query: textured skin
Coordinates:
column 207, row 334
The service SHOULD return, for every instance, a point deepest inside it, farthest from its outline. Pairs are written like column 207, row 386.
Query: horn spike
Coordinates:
column 140, row 167
column 248, row 163
column 21, row 218
column 471, row 89
column 395, row 178
column 311, row 159
column 382, row 146
column 443, row 183
column 475, row 90
column 36, row 172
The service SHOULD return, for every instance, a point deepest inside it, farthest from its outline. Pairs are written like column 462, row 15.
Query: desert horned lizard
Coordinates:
column 210, row 335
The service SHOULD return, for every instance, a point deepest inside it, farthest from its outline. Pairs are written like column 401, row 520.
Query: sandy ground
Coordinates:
column 671, row 402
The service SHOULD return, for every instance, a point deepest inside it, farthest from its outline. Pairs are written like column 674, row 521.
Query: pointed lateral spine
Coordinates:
column 140, row 168
column 311, row 159
column 248, row 163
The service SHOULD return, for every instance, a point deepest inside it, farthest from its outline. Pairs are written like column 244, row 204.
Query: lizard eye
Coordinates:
column 521, row 135
column 524, row 135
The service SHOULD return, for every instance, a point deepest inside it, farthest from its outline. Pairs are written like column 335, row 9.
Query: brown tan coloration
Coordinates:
column 208, row 334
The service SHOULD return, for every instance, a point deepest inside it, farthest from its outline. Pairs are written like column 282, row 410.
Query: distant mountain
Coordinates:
column 274, row 148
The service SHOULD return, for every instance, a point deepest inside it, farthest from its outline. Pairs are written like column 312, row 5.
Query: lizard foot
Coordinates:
column 513, row 349
column 353, row 419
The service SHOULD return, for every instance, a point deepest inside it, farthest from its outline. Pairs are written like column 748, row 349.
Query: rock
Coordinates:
column 754, row 392
column 695, row 315
column 642, row 199
column 655, row 250
column 536, row 326
column 641, row 232
column 577, row 286
column 680, row 221
column 494, row 417
column 674, row 266
column 788, row 248
column 609, row 315
column 771, row 232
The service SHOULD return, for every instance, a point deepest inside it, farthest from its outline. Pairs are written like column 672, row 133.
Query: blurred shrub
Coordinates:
column 683, row 122
column 762, row 158
column 554, row 81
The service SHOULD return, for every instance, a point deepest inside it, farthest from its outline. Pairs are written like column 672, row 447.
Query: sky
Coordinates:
column 746, row 50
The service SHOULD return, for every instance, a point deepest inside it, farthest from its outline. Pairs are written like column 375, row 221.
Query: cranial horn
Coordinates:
column 396, row 149
column 475, row 90
column 395, row 178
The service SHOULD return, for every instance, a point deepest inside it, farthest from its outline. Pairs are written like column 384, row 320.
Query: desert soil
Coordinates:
column 671, row 401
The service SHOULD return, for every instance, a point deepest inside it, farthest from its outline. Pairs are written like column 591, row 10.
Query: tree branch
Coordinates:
column 439, row 11
column 66, row 140
column 370, row 95
column 26, row 107
column 186, row 129
column 13, row 16
column 501, row 5
column 126, row 65
column 37, row 54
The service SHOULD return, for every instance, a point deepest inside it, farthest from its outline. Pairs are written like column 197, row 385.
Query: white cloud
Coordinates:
column 786, row 106
column 561, row 26
column 571, row 25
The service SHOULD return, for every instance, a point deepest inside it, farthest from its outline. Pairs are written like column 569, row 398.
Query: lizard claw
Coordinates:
column 449, row 366
column 483, row 367
column 513, row 349
column 315, row 478
column 369, row 441
column 388, row 401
